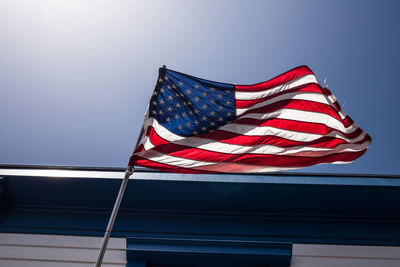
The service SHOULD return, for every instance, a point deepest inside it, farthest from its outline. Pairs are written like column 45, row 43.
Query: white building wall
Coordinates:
column 23, row 250
column 344, row 256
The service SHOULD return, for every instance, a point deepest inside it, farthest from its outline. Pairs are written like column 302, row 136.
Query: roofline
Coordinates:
column 146, row 170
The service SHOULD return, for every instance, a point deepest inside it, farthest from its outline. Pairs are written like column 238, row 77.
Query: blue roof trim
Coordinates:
column 275, row 211
column 175, row 251
column 1, row 188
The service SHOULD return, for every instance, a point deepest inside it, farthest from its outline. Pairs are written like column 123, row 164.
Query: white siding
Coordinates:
column 20, row 250
column 343, row 256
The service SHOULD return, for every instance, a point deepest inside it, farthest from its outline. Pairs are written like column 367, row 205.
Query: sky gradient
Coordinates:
column 76, row 76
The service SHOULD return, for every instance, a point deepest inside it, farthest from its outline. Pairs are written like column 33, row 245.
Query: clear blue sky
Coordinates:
column 76, row 76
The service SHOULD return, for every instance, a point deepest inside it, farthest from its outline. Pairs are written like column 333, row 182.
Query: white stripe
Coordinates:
column 161, row 130
column 333, row 99
column 306, row 79
column 171, row 160
column 147, row 143
column 309, row 96
column 219, row 147
column 252, row 130
column 304, row 116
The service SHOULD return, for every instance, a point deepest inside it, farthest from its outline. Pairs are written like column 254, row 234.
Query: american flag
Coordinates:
column 194, row 125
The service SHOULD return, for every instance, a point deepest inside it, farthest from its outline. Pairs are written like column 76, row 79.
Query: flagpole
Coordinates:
column 129, row 171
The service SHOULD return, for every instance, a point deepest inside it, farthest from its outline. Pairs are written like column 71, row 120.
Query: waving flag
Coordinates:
column 194, row 125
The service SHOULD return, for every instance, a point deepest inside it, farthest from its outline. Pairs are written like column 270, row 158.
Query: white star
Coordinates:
column 220, row 107
column 195, row 133
column 170, row 97
column 196, row 122
column 162, row 101
column 176, row 116
column 188, row 124
column 204, row 106
column 184, row 114
column 204, row 118
column 196, row 86
column 219, row 96
column 212, row 89
column 178, row 105
column 169, row 109
column 212, row 101
column 221, row 119
column 196, row 111
column 154, row 112
column 188, row 91
column 212, row 123
column 227, row 91
column 203, row 128
column 228, row 114
column 196, row 99
column 180, row 83
column 173, row 86
column 166, row 78
column 168, row 86
column 155, row 93
column 161, row 112
column 191, row 112
column 155, row 103
column 168, row 119
column 180, row 127
column 162, row 90
column 160, row 80
column 228, row 102
column 212, row 113
column 204, row 94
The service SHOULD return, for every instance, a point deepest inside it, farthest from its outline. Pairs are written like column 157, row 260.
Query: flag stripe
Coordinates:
column 304, row 116
column 308, row 88
column 307, row 79
column 278, row 80
column 296, row 104
column 248, row 159
column 218, row 152
column 305, row 96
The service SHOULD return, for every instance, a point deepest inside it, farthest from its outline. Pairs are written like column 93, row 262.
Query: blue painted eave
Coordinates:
column 304, row 208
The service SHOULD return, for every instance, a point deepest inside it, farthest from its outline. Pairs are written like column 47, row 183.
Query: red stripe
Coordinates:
column 303, row 105
column 297, row 126
column 278, row 80
column 231, row 138
column 254, row 159
column 311, row 88
column 346, row 157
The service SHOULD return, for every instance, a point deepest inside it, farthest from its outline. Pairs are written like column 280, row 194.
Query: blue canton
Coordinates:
column 189, row 106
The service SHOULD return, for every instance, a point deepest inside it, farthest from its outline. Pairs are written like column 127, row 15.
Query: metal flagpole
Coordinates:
column 103, row 247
